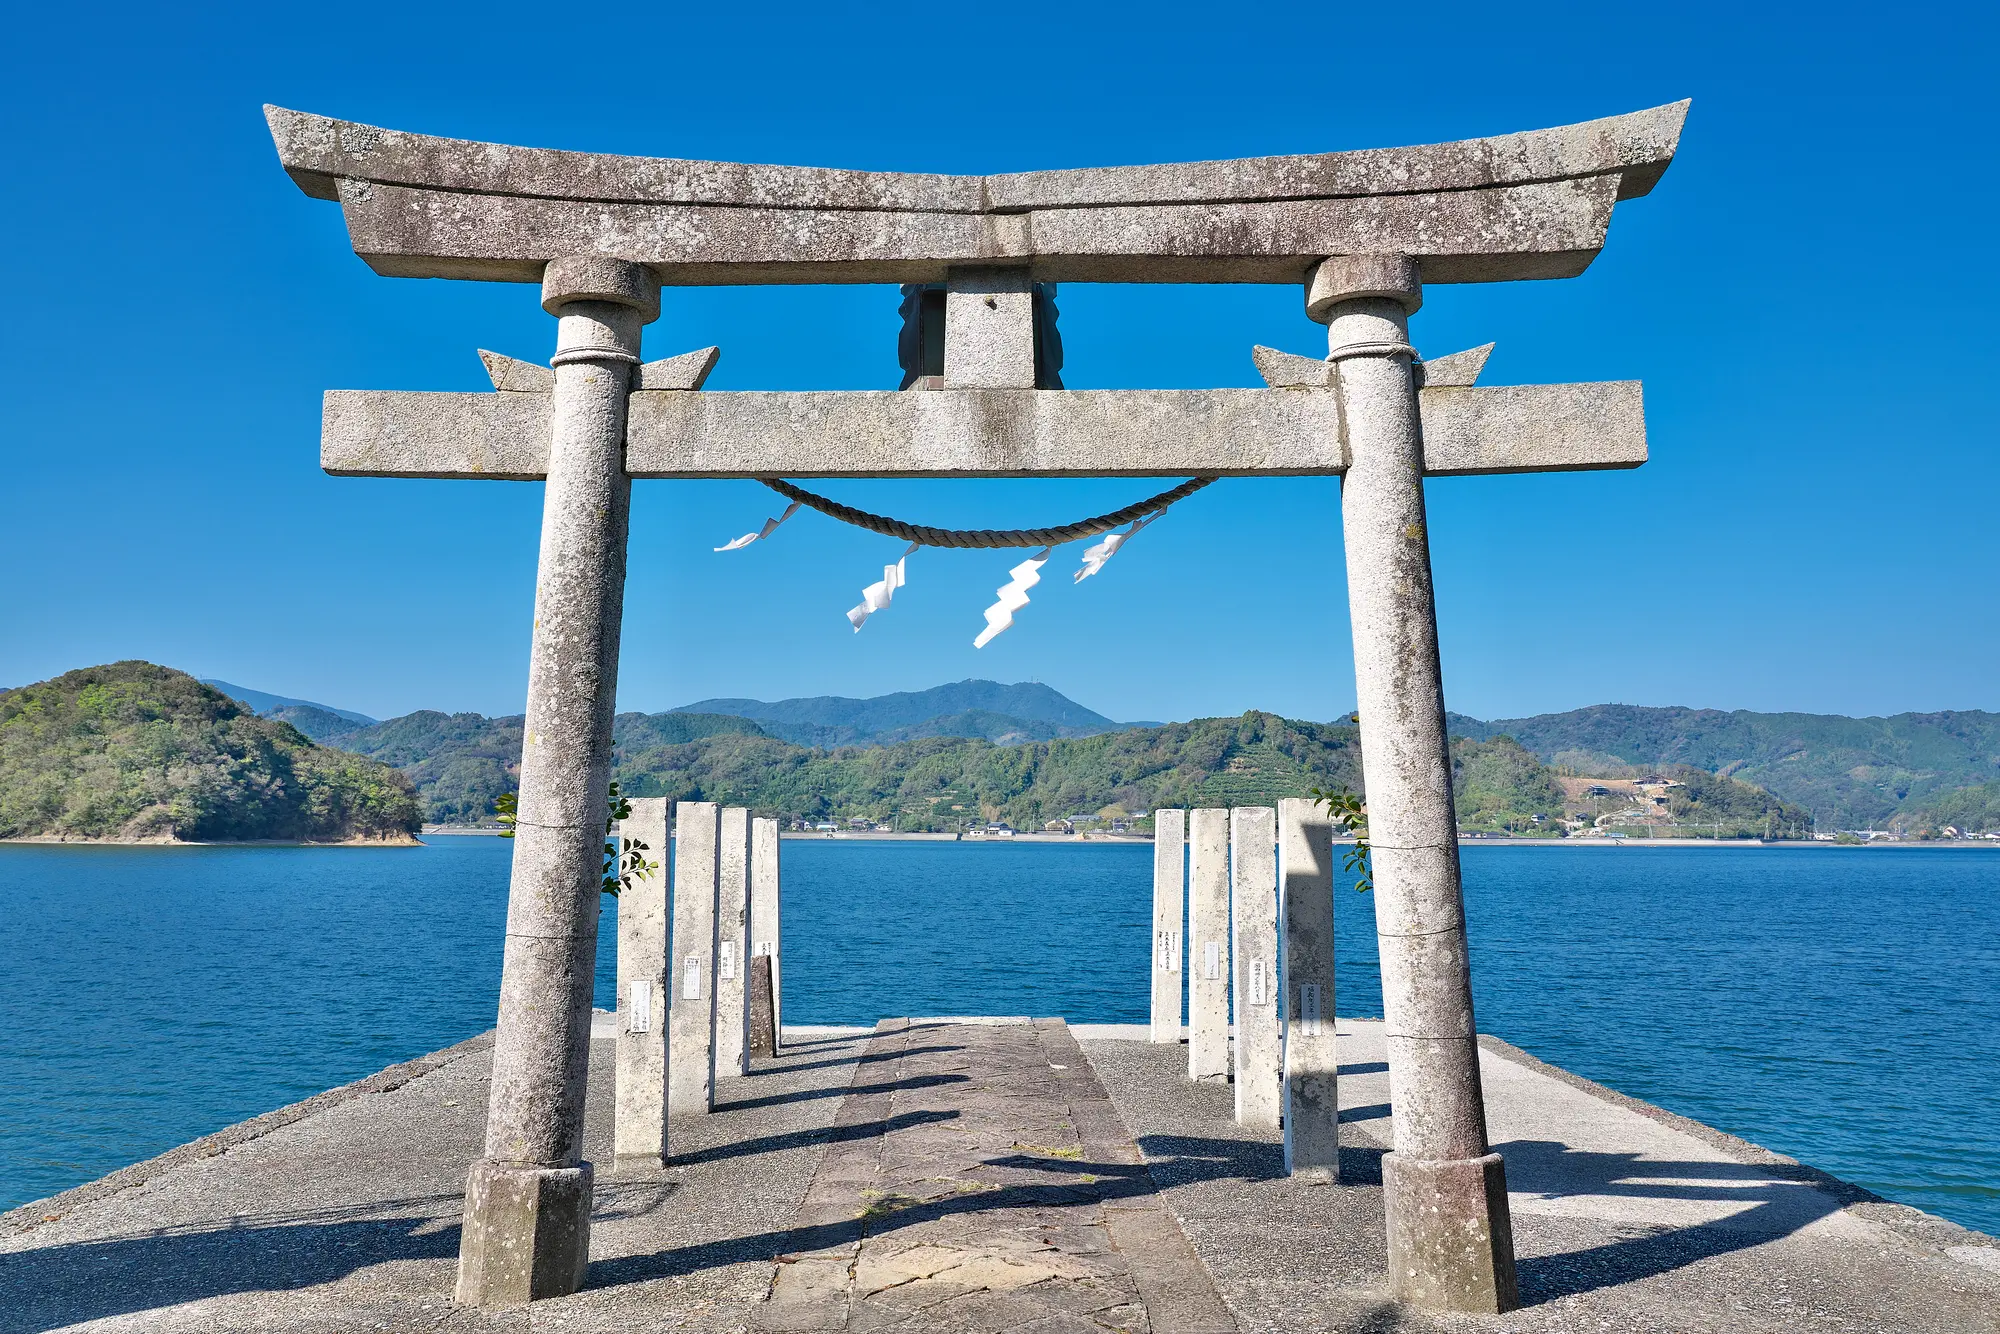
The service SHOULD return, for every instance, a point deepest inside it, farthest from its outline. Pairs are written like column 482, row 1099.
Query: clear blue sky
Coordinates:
column 1808, row 297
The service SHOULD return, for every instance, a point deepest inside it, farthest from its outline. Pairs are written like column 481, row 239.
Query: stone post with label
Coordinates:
column 732, row 946
column 1305, row 915
column 639, row 1121
column 1449, row 1237
column 1207, row 956
column 1253, row 936
column 766, row 934
column 691, row 966
column 1169, row 914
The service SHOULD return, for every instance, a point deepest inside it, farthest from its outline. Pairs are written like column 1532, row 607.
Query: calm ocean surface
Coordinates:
column 1842, row 1006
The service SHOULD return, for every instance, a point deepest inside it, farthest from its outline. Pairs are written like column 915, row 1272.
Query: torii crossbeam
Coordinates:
column 1362, row 231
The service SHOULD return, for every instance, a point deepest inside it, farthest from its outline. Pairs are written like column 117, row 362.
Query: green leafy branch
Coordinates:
column 1347, row 810
column 624, row 858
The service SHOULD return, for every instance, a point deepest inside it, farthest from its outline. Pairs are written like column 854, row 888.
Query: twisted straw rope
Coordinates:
column 985, row 537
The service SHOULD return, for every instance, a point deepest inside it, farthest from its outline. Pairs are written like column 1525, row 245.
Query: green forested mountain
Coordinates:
column 1850, row 772
column 461, row 762
column 1009, row 714
column 135, row 751
column 939, row 782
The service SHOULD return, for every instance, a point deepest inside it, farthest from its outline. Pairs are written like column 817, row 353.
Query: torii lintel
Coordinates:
column 1529, row 205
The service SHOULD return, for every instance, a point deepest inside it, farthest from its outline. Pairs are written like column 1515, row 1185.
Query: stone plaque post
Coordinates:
column 732, row 946
column 527, row 1201
column 1450, row 1240
column 691, row 966
column 639, row 1122
column 1305, row 912
column 1207, row 961
column 1253, row 934
column 1169, row 913
column 765, row 936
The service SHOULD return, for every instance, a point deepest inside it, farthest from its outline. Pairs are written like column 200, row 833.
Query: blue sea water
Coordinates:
column 1838, row 1005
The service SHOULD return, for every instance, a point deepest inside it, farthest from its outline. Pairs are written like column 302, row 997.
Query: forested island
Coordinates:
column 133, row 752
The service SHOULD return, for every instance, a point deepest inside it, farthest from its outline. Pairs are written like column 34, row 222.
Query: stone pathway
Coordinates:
column 999, row 1192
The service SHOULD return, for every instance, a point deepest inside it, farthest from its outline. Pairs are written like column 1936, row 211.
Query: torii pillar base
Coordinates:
column 526, row 1233
column 1451, row 1239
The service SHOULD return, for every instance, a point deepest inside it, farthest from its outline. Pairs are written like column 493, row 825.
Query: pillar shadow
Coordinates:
column 52, row 1287
column 809, row 1095
column 1780, row 1200
column 798, row 1139
column 780, row 1066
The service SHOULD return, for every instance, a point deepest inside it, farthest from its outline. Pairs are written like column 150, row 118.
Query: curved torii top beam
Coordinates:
column 1528, row 205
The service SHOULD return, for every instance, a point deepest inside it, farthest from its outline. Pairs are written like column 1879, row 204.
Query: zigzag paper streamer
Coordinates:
column 1013, row 596
column 770, row 526
column 876, row 596
column 1094, row 557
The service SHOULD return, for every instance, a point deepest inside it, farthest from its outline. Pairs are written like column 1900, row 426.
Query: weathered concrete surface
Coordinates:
column 1253, row 950
column 1531, row 205
column 1305, row 916
column 732, row 946
column 998, row 1192
column 986, row 432
column 989, row 329
column 346, row 1217
column 640, row 1139
column 1626, row 1218
column 1169, row 921
column 1207, row 955
column 340, row 1213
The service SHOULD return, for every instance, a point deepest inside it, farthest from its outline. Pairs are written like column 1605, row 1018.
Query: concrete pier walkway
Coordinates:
column 981, row 1176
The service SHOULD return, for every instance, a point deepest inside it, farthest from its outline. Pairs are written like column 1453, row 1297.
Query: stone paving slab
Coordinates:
column 1626, row 1218
column 1001, row 1193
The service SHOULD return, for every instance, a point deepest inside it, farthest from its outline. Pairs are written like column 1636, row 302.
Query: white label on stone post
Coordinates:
column 639, row 1007
column 1259, row 992
column 726, row 961
column 764, row 947
column 1309, row 1009
column 1211, row 959
column 691, row 978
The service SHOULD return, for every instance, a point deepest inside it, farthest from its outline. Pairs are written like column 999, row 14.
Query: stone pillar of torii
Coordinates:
column 1361, row 232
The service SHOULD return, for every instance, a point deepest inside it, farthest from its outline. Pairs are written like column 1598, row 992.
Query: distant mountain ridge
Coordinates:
column 1850, row 772
column 985, row 710
column 265, row 704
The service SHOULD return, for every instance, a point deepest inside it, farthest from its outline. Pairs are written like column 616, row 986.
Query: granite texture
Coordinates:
column 1412, row 830
column 732, row 946
column 986, row 433
column 1528, row 205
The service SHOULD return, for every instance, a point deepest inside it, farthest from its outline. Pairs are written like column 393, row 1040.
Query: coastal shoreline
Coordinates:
column 51, row 841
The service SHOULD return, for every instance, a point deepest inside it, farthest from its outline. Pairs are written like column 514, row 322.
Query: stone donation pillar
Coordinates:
column 1253, row 949
column 732, row 946
column 527, row 1201
column 766, row 927
column 1206, row 961
column 1305, row 919
column 691, row 965
column 639, row 1123
column 1449, row 1240
column 1169, row 908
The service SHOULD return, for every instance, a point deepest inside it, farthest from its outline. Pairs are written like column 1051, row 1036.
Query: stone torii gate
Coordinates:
column 1361, row 231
